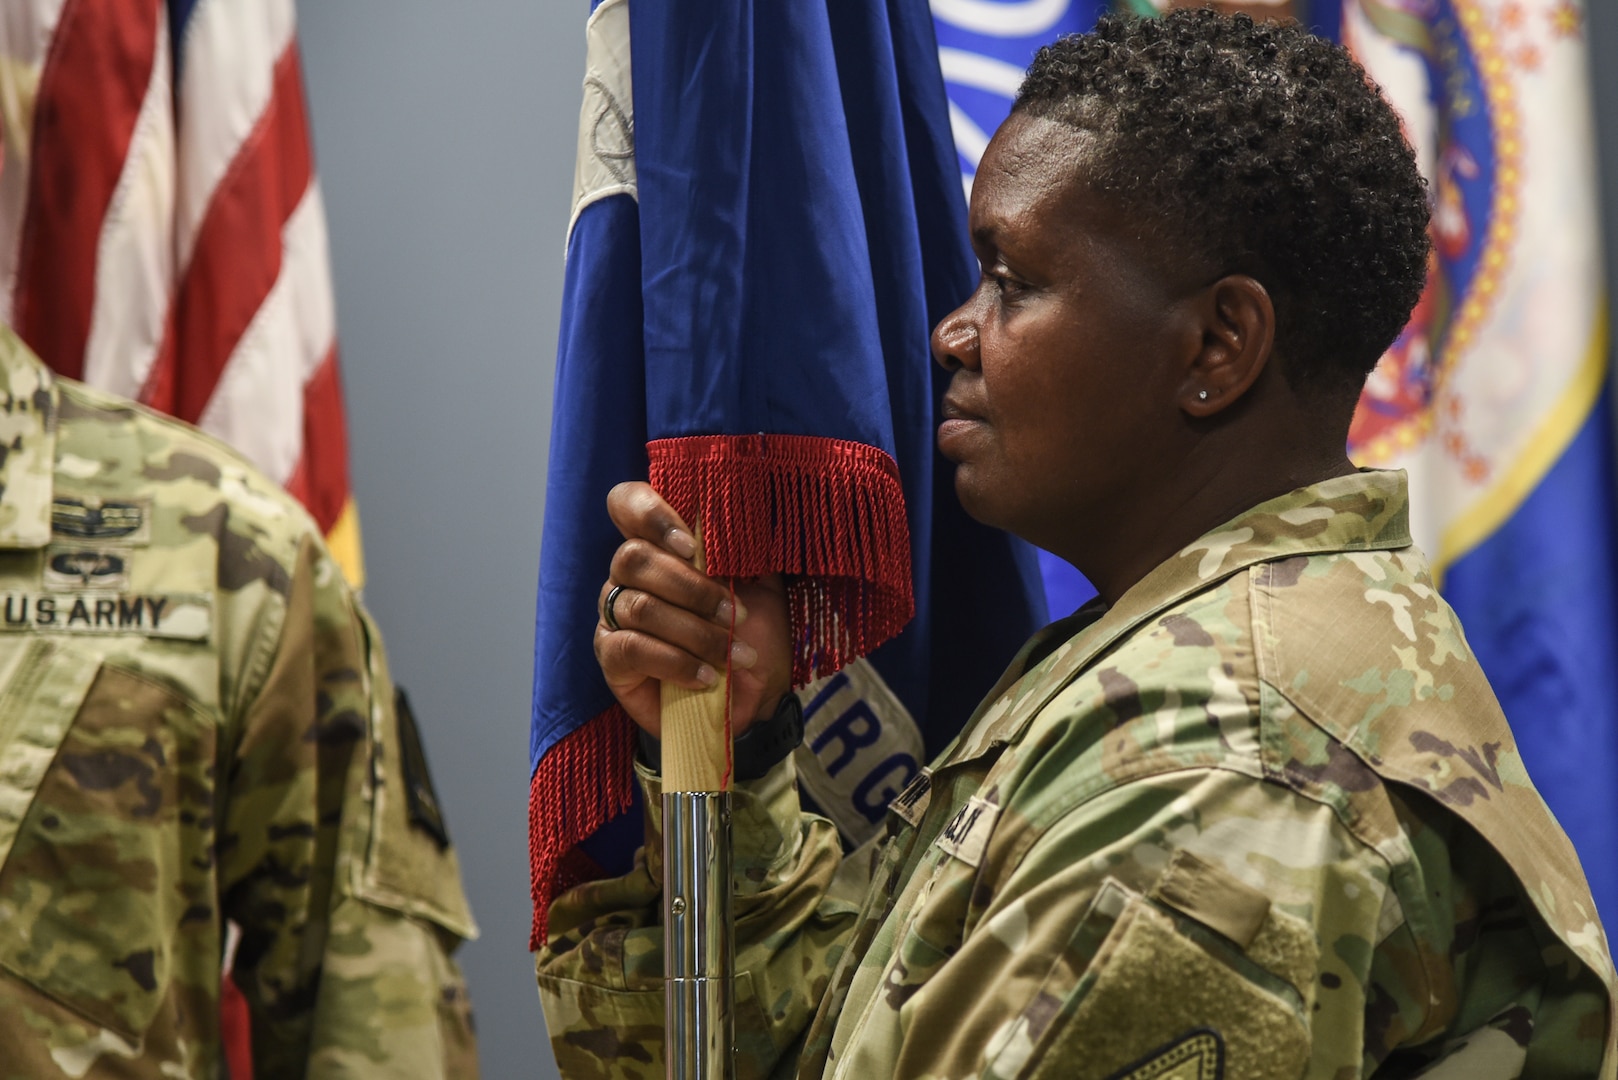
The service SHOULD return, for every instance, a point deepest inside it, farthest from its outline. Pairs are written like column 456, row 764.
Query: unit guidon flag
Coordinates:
column 768, row 220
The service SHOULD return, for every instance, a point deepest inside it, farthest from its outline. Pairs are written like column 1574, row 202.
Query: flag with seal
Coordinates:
column 1496, row 398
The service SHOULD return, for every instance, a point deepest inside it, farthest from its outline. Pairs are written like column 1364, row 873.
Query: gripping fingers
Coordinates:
column 703, row 641
column 658, row 552
column 640, row 513
column 643, row 566
column 629, row 658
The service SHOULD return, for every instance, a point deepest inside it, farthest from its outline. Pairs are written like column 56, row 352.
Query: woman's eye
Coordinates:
column 1007, row 286
column 1000, row 279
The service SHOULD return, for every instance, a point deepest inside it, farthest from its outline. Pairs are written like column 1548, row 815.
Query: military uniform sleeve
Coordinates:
column 349, row 899
column 601, row 974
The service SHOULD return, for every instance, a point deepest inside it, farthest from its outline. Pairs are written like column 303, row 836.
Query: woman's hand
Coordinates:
column 674, row 621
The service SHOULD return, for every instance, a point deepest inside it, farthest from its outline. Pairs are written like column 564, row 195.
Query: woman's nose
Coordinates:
column 955, row 339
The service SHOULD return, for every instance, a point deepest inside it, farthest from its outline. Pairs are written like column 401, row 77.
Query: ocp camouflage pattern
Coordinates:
column 197, row 725
column 1264, row 808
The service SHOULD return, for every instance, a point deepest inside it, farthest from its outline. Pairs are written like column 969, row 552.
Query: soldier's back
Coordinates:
column 195, row 722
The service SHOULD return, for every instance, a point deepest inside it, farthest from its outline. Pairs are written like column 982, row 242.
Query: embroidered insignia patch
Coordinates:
column 1199, row 1054
column 420, row 800
column 73, row 567
column 96, row 519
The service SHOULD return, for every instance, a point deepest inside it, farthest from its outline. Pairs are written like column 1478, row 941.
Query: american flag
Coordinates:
column 162, row 235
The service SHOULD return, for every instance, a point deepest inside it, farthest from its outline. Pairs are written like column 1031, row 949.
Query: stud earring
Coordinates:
column 1202, row 395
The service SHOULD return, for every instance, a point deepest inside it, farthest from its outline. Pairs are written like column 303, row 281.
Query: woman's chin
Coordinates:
column 975, row 495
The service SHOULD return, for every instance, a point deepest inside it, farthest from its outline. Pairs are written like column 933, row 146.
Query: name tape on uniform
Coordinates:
column 181, row 617
column 966, row 836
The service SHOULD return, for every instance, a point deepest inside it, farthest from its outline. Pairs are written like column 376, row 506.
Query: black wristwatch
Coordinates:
column 759, row 749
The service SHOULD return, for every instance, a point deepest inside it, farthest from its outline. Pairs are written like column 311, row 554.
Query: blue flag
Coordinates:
column 768, row 220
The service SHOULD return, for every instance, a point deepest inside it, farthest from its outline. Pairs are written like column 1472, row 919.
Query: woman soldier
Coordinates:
column 1254, row 812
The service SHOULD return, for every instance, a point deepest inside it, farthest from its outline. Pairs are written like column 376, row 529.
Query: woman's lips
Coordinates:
column 959, row 424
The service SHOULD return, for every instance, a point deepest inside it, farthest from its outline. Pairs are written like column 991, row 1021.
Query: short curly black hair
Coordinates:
column 1263, row 150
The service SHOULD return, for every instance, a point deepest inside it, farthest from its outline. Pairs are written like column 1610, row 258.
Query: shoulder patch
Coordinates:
column 421, row 801
column 1199, row 1054
column 966, row 835
column 128, row 520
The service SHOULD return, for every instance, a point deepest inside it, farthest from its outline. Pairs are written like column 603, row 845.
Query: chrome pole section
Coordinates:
column 698, row 954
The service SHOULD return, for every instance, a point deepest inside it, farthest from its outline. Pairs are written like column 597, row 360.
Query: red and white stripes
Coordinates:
column 166, row 240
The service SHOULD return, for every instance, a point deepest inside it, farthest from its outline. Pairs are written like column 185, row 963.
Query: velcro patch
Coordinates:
column 966, row 835
column 1196, row 1055
column 421, row 801
column 183, row 618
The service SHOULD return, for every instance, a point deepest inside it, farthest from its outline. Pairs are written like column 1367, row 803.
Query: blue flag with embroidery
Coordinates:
column 1494, row 398
column 768, row 220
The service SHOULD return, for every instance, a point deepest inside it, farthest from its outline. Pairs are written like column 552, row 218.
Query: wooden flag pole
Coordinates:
column 698, row 949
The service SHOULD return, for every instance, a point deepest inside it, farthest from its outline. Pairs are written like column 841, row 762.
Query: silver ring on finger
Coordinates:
column 608, row 616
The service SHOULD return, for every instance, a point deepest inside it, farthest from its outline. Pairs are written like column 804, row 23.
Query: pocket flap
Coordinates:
column 1214, row 897
column 100, row 888
column 1143, row 991
column 44, row 684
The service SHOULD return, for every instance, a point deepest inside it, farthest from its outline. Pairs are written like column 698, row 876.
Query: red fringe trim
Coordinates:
column 829, row 514
column 582, row 783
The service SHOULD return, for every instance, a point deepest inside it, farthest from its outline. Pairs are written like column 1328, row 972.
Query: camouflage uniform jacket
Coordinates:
column 1263, row 818
column 197, row 725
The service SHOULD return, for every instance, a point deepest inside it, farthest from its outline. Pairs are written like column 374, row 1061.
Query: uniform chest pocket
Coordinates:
column 106, row 838
column 1166, row 993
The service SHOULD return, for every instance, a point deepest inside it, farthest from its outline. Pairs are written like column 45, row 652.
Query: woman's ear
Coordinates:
column 1238, row 336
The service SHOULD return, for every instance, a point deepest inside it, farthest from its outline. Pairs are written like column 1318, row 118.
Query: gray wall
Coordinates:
column 445, row 137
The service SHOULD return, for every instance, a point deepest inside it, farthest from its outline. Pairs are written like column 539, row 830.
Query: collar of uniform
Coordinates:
column 1367, row 510
column 27, row 445
column 1040, row 652
column 1364, row 511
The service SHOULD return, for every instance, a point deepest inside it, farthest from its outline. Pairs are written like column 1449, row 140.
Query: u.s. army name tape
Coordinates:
column 164, row 615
